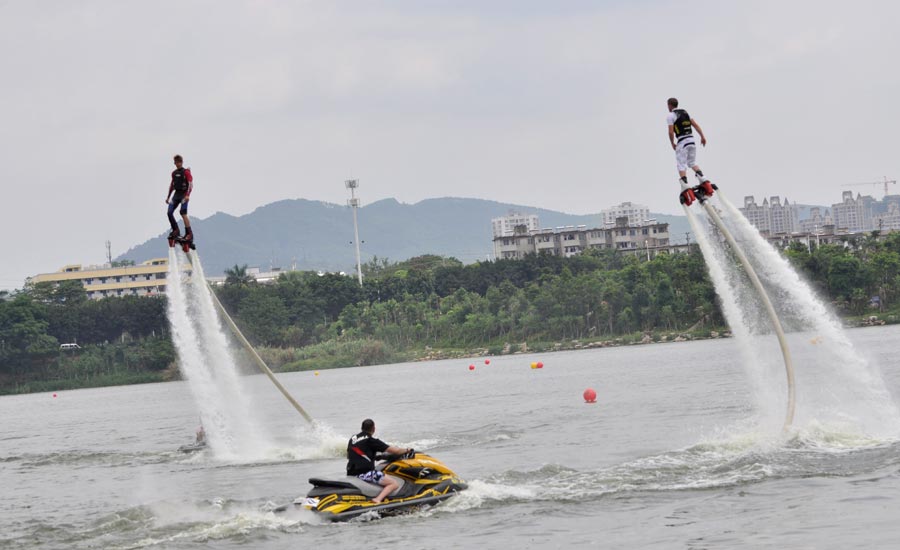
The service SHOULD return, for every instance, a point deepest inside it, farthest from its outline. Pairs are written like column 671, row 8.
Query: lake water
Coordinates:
column 676, row 453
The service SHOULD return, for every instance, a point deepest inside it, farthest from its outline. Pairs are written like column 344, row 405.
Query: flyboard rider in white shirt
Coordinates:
column 681, row 136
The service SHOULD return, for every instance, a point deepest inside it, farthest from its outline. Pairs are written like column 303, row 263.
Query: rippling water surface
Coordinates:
column 674, row 454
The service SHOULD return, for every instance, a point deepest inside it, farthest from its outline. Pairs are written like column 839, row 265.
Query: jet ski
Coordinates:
column 424, row 481
column 193, row 447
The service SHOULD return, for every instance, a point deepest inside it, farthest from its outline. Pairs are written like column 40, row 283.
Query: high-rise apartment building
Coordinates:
column 853, row 214
column 506, row 225
column 637, row 214
column 771, row 216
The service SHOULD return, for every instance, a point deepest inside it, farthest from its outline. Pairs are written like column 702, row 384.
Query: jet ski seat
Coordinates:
column 354, row 484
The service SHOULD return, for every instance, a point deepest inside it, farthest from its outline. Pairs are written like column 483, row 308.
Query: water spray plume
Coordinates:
column 208, row 366
column 832, row 384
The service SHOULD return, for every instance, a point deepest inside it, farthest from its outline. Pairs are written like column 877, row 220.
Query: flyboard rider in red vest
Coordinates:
column 181, row 185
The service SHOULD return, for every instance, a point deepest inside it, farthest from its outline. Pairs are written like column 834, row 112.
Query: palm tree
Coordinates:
column 238, row 276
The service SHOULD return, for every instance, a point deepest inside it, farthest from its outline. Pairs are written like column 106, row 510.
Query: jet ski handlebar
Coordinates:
column 391, row 457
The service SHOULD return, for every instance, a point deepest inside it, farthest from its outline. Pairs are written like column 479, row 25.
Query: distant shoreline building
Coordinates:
column 826, row 234
column 889, row 220
column 145, row 279
column 506, row 225
column 637, row 214
column 569, row 241
column 852, row 215
column 845, row 222
column 771, row 215
column 817, row 221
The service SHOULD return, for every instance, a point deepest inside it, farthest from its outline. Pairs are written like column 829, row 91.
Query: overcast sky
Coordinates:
column 553, row 104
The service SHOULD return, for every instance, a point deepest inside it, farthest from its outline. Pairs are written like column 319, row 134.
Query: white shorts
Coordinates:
column 686, row 156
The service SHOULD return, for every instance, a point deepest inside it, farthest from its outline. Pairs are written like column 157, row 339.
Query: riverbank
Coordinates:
column 334, row 354
column 331, row 354
column 342, row 354
column 338, row 354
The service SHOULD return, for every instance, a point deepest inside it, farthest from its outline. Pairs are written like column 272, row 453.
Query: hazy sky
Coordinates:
column 553, row 104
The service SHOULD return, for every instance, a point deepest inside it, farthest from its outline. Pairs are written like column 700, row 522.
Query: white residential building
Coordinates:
column 816, row 221
column 637, row 214
column 771, row 216
column 853, row 215
column 105, row 281
column 571, row 240
column 887, row 221
column 506, row 225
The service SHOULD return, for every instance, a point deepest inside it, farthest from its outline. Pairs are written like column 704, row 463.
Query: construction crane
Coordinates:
column 885, row 182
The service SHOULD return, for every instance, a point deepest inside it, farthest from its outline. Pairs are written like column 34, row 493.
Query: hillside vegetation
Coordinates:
column 426, row 307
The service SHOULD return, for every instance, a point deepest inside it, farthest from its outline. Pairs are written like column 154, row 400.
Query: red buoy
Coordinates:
column 471, row 367
column 540, row 365
column 54, row 395
column 487, row 361
column 590, row 396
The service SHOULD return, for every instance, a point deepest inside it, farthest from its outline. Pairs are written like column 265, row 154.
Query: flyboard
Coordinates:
column 186, row 242
column 187, row 245
column 702, row 193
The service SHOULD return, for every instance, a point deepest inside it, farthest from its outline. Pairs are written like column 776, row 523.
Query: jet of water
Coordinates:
column 759, row 352
column 207, row 363
column 837, row 386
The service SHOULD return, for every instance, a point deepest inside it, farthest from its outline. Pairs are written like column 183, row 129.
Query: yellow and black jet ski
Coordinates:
column 424, row 481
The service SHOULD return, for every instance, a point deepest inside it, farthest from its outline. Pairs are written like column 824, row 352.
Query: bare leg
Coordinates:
column 389, row 487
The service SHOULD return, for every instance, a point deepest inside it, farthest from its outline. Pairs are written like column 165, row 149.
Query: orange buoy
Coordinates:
column 534, row 365
column 590, row 396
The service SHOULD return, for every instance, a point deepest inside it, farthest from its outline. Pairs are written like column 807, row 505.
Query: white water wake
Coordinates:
column 208, row 365
column 837, row 388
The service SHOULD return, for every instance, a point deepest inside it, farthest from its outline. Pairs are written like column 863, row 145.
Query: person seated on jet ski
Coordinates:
column 361, row 452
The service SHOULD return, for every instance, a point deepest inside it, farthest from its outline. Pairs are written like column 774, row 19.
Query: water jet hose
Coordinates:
column 259, row 361
column 751, row 273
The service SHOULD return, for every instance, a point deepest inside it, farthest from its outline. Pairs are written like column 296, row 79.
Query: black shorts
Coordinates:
column 176, row 200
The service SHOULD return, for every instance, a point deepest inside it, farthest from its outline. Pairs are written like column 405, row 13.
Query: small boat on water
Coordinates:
column 424, row 481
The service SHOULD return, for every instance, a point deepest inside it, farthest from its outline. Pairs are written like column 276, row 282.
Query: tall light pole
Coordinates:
column 354, row 204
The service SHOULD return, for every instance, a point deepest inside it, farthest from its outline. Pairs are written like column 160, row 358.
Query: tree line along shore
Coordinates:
column 428, row 307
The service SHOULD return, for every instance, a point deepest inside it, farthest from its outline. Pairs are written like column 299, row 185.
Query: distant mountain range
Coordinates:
column 318, row 235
